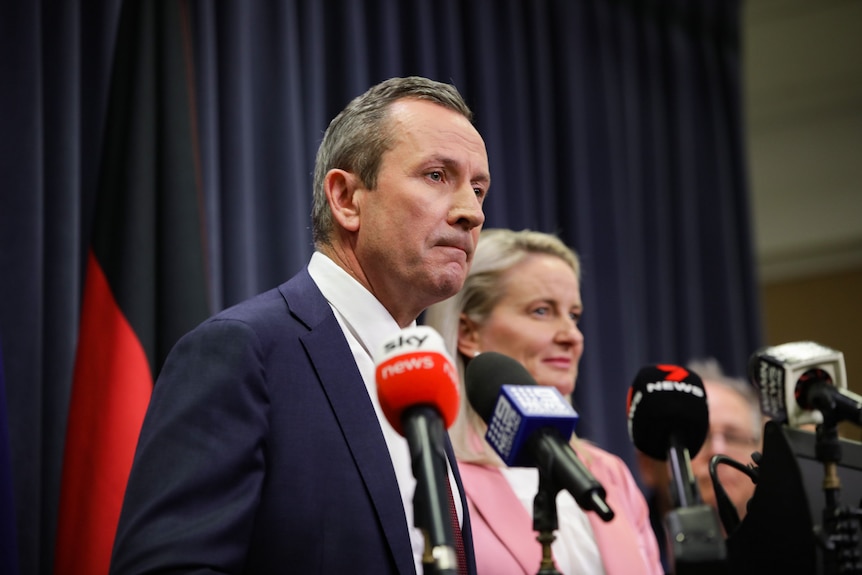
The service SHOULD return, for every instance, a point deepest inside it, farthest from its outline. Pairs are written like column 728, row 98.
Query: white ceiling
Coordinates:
column 803, row 98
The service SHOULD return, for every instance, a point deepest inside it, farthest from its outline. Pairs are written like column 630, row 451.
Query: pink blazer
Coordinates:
column 503, row 536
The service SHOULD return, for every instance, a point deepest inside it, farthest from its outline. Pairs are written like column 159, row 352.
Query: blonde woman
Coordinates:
column 522, row 298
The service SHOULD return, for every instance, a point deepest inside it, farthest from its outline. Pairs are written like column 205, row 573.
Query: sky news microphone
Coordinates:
column 417, row 387
column 668, row 419
column 530, row 425
column 800, row 382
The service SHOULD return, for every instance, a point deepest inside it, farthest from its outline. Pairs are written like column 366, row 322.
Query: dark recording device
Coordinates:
column 796, row 522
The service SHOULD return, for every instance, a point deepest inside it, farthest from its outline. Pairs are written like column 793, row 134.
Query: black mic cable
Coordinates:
column 726, row 509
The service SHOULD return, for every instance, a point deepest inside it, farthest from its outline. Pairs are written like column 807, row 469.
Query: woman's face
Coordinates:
column 536, row 321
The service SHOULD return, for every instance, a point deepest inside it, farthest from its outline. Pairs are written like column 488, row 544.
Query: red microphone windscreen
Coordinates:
column 414, row 369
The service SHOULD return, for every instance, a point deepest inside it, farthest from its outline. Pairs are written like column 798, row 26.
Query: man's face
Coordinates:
column 418, row 229
column 732, row 432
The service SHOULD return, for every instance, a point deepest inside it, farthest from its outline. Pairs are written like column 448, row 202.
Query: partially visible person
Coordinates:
column 522, row 298
column 264, row 449
column 735, row 430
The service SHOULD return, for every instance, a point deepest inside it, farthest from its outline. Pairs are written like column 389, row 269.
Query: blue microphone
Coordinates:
column 521, row 411
column 530, row 425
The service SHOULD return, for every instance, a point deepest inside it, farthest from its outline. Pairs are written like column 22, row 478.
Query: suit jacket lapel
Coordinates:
column 342, row 383
column 611, row 536
column 503, row 513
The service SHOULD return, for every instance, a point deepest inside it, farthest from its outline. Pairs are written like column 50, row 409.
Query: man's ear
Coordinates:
column 468, row 336
column 341, row 189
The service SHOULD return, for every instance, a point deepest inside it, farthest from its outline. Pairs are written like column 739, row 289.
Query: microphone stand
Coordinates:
column 694, row 535
column 560, row 468
column 424, row 433
column 684, row 489
column 545, row 520
column 839, row 535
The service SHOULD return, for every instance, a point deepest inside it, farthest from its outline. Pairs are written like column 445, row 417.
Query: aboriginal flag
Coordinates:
column 145, row 276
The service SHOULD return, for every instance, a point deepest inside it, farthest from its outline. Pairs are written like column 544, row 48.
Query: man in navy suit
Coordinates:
column 264, row 449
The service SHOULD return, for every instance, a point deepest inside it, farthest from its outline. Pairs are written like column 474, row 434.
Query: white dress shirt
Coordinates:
column 367, row 325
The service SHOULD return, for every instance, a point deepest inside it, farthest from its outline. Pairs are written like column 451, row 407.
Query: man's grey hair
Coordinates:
column 360, row 134
column 710, row 370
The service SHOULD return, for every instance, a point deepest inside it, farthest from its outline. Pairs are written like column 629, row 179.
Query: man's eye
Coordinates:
column 437, row 176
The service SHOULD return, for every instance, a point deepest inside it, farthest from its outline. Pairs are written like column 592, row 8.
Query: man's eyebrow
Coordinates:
column 483, row 178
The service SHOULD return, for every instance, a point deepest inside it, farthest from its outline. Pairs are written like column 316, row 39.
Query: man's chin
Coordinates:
column 450, row 280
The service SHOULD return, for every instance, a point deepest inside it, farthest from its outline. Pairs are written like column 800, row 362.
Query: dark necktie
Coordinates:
column 456, row 532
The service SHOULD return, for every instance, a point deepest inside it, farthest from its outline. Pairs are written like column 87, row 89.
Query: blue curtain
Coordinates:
column 615, row 123
column 8, row 530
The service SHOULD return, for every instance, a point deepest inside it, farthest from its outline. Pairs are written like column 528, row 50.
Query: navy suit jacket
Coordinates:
column 261, row 453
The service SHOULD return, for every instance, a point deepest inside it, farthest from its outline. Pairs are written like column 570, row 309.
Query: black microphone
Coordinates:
column 417, row 387
column 668, row 419
column 816, row 390
column 529, row 426
column 800, row 382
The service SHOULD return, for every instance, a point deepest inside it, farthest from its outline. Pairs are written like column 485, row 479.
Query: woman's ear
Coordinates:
column 468, row 337
column 343, row 193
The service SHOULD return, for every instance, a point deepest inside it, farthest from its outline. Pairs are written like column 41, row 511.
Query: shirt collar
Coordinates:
column 361, row 312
